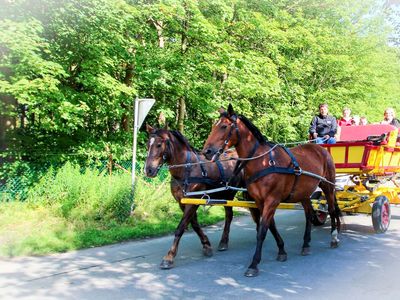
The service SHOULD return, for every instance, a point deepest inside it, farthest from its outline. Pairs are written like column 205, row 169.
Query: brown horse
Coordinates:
column 172, row 148
column 276, row 174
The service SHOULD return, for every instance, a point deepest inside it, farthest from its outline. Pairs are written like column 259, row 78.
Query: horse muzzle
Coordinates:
column 211, row 154
column 150, row 172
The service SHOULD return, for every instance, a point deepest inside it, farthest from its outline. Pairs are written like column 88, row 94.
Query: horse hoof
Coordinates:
column 305, row 251
column 166, row 264
column 281, row 257
column 334, row 245
column 207, row 251
column 251, row 272
column 223, row 246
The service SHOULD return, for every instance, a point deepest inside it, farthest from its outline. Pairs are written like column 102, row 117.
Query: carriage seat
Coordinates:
column 377, row 133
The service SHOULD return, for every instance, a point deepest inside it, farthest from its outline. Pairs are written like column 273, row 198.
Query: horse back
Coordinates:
column 315, row 159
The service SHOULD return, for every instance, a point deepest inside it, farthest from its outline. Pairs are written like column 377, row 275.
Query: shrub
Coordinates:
column 84, row 194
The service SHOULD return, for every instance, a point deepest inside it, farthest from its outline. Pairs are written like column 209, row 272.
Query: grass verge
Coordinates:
column 73, row 209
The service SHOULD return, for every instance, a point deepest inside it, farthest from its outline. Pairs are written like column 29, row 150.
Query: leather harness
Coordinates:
column 295, row 170
column 204, row 179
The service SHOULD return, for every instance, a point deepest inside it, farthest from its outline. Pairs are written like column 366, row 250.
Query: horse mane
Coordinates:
column 254, row 130
column 182, row 139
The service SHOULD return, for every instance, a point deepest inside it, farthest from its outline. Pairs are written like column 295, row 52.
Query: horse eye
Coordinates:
column 158, row 145
column 224, row 126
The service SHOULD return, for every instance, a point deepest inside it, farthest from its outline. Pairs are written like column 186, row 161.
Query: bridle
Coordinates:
column 233, row 126
column 166, row 153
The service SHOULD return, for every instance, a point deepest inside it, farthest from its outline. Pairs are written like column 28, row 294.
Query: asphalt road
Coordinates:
column 365, row 266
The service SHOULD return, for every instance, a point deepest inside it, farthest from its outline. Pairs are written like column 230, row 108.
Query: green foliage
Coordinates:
column 72, row 208
column 84, row 195
column 74, row 67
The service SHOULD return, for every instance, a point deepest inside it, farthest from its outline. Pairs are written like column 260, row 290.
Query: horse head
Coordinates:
column 158, row 150
column 224, row 134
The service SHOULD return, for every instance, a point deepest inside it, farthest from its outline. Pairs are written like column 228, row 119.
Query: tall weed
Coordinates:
column 73, row 208
column 84, row 194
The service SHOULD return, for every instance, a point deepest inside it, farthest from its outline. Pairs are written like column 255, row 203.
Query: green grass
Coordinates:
column 70, row 209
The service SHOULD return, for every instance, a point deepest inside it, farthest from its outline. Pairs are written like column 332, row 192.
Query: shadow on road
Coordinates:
column 131, row 270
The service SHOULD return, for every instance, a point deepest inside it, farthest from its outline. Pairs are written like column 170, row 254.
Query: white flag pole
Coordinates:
column 135, row 129
column 142, row 108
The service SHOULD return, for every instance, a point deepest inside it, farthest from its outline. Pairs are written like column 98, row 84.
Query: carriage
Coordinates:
column 367, row 162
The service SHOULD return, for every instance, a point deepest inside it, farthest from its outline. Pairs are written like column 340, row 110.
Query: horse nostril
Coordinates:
column 208, row 151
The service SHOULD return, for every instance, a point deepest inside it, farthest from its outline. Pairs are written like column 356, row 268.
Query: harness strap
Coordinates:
column 294, row 161
column 221, row 171
column 270, row 170
column 241, row 164
column 203, row 169
column 204, row 179
column 188, row 169
column 296, row 170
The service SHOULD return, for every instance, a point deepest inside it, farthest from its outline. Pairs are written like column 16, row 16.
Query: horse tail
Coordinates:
column 339, row 215
column 332, row 172
column 331, row 177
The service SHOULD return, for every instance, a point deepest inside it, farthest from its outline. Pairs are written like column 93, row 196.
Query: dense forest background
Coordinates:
column 71, row 69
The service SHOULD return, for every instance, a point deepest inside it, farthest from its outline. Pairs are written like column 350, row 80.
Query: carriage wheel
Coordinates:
column 319, row 217
column 381, row 214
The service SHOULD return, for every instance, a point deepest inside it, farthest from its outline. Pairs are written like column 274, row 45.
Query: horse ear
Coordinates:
column 230, row 110
column 222, row 111
column 149, row 129
column 166, row 127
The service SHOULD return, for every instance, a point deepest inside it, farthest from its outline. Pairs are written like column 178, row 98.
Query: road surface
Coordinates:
column 365, row 266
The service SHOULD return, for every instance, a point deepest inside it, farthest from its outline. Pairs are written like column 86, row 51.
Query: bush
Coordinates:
column 74, row 207
column 84, row 194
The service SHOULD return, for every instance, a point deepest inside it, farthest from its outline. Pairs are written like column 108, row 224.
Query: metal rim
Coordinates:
column 385, row 214
column 321, row 216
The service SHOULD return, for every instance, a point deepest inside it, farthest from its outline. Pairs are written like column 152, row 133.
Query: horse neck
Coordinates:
column 178, row 156
column 247, row 142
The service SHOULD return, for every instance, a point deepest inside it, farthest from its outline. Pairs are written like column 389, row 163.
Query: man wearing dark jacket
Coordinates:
column 323, row 126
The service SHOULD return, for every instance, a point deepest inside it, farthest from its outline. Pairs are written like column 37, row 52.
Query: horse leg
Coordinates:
column 266, row 218
column 282, row 255
column 334, row 213
column 207, row 249
column 255, row 214
column 223, row 244
column 308, row 211
column 168, row 260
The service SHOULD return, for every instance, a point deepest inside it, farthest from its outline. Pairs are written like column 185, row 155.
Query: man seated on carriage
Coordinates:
column 323, row 126
column 389, row 117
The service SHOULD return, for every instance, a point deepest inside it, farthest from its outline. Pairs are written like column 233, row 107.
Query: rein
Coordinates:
column 222, row 160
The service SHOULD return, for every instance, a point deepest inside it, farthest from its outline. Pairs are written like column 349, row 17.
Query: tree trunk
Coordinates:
column 128, row 82
column 7, row 123
column 159, row 25
column 184, row 39
column 181, row 114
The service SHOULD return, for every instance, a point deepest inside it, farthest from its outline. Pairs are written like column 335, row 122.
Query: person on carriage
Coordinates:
column 389, row 117
column 356, row 120
column 323, row 126
column 363, row 120
column 346, row 119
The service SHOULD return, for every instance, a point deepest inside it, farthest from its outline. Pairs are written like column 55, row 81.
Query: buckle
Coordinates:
column 297, row 171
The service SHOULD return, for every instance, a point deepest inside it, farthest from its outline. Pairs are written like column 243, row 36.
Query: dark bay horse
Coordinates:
column 276, row 175
column 172, row 148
